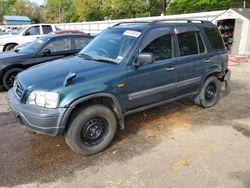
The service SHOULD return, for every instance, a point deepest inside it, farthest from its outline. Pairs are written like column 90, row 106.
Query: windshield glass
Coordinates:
column 112, row 45
column 18, row 31
column 35, row 45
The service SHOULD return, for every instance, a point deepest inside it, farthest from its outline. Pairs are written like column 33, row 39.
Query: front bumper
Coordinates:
column 43, row 120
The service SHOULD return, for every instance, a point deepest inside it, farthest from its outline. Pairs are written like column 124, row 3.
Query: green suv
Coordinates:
column 128, row 68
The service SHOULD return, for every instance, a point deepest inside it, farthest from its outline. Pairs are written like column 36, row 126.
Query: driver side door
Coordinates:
column 156, row 82
column 57, row 48
column 31, row 34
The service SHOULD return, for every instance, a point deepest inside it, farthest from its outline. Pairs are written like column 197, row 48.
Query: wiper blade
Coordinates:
column 107, row 60
column 86, row 56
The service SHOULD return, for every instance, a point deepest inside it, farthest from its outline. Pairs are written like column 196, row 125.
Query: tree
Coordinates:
column 158, row 7
column 88, row 10
column 6, row 8
column 119, row 9
column 187, row 6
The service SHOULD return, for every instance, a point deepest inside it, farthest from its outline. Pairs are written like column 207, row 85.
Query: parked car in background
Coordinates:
column 23, row 35
column 20, row 46
column 67, row 32
column 128, row 68
column 46, row 48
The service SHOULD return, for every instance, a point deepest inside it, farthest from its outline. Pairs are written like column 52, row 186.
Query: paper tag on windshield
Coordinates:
column 131, row 33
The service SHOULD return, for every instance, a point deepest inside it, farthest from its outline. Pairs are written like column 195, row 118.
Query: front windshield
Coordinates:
column 35, row 45
column 111, row 45
column 18, row 31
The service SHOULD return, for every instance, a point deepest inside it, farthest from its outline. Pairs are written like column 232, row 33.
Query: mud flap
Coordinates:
column 226, row 81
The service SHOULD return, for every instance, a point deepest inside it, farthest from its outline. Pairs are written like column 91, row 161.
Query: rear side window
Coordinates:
column 187, row 43
column 161, row 48
column 201, row 43
column 81, row 42
column 214, row 38
column 46, row 29
column 59, row 45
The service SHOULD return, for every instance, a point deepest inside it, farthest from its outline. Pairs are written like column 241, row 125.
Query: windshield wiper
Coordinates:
column 86, row 56
column 106, row 60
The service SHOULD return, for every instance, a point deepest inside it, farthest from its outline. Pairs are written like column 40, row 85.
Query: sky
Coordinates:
column 39, row 2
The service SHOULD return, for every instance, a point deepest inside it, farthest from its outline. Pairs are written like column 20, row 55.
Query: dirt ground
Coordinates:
column 174, row 145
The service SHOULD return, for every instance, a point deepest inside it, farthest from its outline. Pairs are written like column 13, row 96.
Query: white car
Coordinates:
column 24, row 35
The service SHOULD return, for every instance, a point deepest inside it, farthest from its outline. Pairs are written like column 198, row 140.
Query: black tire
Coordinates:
column 9, row 77
column 209, row 94
column 91, row 129
column 10, row 47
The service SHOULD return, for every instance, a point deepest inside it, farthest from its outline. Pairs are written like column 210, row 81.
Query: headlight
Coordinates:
column 44, row 99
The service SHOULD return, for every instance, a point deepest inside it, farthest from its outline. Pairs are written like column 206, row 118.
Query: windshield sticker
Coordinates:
column 131, row 33
column 40, row 41
column 119, row 58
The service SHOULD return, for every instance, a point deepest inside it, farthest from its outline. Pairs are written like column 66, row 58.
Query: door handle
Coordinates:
column 170, row 69
column 207, row 61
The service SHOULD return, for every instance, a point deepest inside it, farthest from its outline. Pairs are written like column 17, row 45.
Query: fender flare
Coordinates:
column 120, row 116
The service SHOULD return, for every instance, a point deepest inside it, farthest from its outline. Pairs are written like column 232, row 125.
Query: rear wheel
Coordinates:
column 209, row 94
column 91, row 129
column 10, row 47
column 9, row 77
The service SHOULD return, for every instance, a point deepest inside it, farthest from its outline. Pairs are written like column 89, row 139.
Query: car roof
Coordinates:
column 144, row 25
column 51, row 36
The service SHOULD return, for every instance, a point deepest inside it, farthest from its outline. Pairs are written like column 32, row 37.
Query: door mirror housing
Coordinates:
column 144, row 58
column 45, row 52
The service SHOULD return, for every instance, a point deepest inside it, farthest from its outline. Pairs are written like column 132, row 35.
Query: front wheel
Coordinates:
column 91, row 129
column 209, row 94
column 9, row 77
column 10, row 47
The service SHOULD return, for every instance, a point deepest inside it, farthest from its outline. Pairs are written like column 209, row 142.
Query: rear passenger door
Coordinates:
column 46, row 29
column 190, row 60
column 151, row 83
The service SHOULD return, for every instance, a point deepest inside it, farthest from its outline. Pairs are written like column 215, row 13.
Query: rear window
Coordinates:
column 214, row 38
column 46, row 29
column 187, row 43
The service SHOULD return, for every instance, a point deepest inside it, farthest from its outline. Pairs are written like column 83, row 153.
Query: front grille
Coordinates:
column 18, row 89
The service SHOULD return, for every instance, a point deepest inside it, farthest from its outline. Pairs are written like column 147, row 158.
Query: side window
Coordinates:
column 187, row 43
column 214, row 38
column 46, row 29
column 35, row 30
column 81, row 42
column 160, row 47
column 59, row 45
column 201, row 43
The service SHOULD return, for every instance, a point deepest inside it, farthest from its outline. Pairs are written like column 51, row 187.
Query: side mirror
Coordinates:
column 45, row 52
column 144, row 58
column 27, row 33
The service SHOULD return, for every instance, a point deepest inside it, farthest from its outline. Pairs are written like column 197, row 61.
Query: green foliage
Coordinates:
column 88, row 10
column 55, row 11
column 118, row 9
column 187, row 6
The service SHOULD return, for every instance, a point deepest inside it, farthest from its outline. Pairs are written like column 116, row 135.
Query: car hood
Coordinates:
column 11, row 55
column 7, row 36
column 52, row 75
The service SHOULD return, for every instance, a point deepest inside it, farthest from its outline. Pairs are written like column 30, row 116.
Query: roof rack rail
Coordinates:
column 171, row 20
column 132, row 22
column 162, row 20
